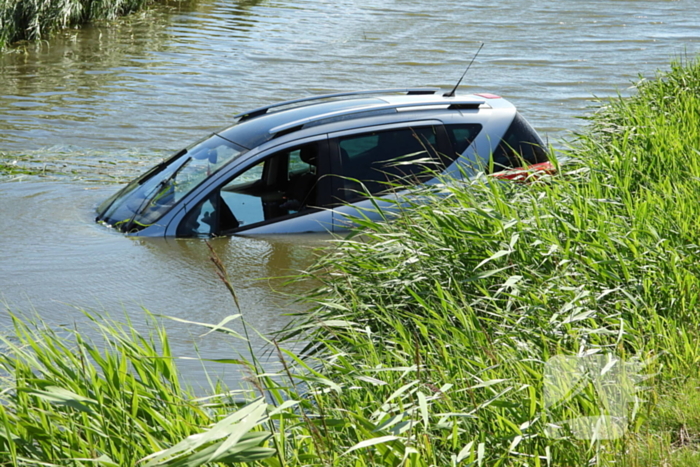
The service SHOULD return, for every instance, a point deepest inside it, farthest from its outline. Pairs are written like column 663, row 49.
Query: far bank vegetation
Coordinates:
column 37, row 19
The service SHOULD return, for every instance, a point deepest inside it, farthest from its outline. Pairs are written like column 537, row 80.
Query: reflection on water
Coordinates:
column 102, row 103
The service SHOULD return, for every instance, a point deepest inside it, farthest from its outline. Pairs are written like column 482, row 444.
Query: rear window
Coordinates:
column 520, row 146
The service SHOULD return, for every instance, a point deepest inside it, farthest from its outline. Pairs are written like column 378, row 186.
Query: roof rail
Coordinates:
column 263, row 110
column 459, row 104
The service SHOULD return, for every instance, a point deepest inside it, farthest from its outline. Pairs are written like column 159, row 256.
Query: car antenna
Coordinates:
column 452, row 93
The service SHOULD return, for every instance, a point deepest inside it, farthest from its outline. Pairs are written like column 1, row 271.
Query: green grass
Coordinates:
column 69, row 401
column 37, row 19
column 13, row 166
column 433, row 337
column 93, row 166
column 12, row 170
column 479, row 288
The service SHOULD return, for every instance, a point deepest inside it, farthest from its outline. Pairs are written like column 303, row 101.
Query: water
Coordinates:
column 96, row 106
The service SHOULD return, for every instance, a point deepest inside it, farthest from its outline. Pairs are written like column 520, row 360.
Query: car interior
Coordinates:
column 283, row 184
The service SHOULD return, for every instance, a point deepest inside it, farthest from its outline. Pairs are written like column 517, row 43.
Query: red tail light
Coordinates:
column 523, row 174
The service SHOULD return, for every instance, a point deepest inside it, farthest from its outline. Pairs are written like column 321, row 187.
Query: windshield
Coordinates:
column 147, row 199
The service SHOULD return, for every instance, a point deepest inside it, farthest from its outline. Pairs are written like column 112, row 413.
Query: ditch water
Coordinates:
column 94, row 107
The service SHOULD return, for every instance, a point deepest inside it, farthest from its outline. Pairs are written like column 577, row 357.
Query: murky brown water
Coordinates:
column 56, row 261
column 103, row 103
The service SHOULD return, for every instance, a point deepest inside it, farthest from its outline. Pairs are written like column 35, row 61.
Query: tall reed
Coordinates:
column 69, row 401
column 461, row 301
column 37, row 19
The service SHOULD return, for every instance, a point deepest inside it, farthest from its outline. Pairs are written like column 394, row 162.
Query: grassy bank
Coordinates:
column 37, row 19
column 491, row 326
column 471, row 299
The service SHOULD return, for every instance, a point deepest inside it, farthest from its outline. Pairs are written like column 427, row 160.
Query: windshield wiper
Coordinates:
column 156, row 190
column 140, row 181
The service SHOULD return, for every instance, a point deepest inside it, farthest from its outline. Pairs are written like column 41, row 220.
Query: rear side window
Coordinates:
column 382, row 159
column 520, row 146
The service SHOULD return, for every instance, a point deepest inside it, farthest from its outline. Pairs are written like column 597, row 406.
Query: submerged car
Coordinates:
column 305, row 165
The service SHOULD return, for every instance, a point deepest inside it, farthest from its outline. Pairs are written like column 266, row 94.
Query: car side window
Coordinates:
column 519, row 146
column 383, row 160
column 462, row 135
column 282, row 185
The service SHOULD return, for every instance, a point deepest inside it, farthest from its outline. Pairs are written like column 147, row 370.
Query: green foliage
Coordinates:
column 36, row 19
column 467, row 294
column 430, row 335
column 67, row 401
column 11, row 169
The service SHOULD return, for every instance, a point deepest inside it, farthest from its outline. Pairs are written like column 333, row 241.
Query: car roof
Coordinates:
column 257, row 126
column 252, row 132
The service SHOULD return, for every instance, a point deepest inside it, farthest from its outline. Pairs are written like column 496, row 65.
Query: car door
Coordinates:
column 283, row 190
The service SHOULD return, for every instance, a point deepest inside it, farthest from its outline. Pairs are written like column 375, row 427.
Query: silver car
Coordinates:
column 305, row 165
